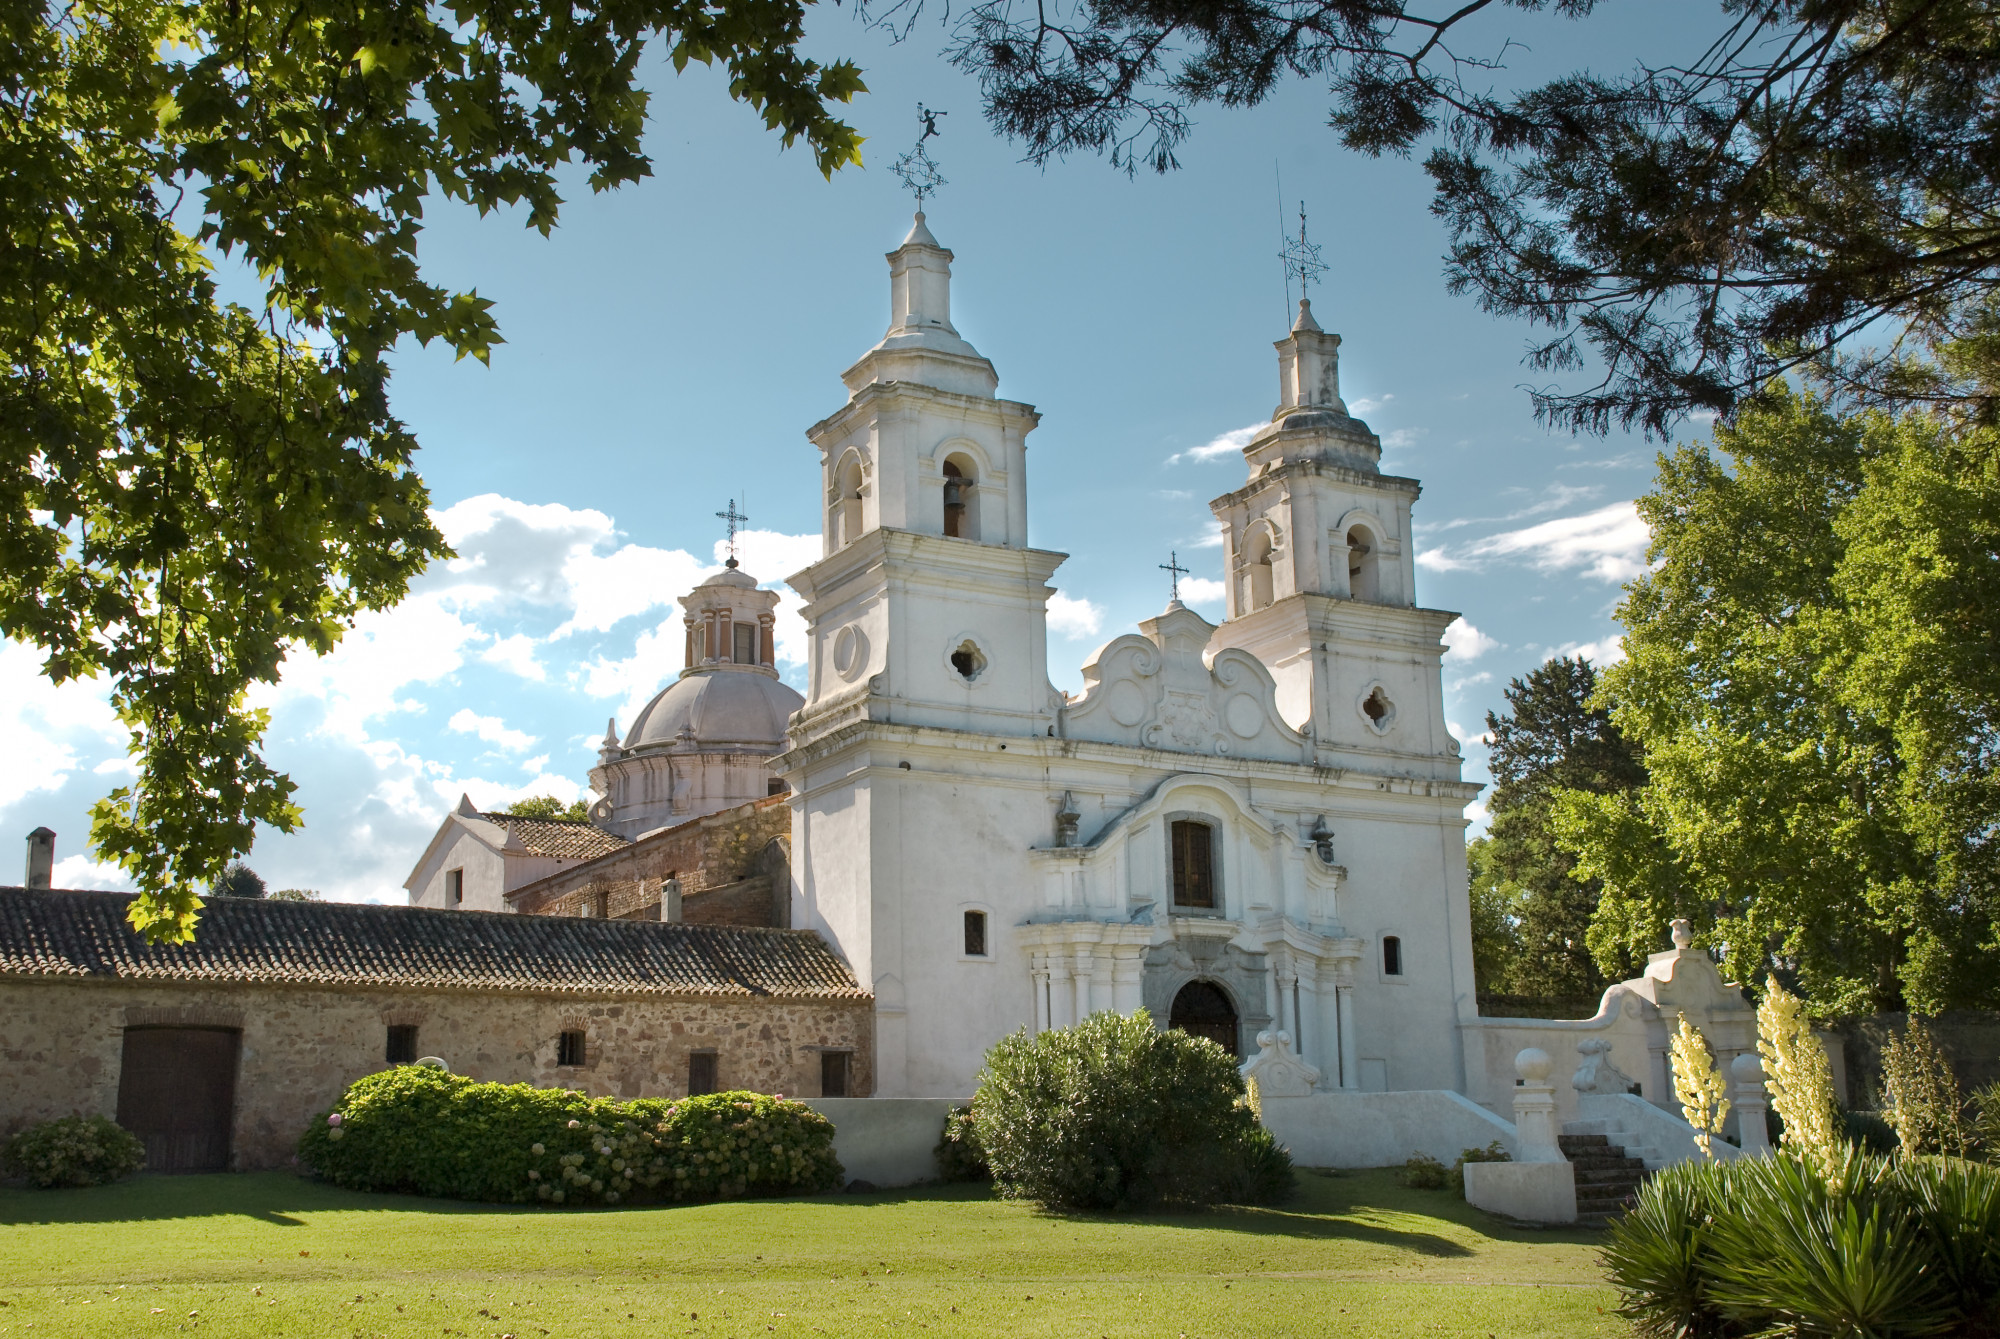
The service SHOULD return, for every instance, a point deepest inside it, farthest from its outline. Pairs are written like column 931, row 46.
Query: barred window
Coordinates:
column 701, row 1073
column 569, row 1047
column 402, row 1047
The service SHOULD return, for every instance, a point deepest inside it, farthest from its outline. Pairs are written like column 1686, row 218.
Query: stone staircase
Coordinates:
column 1605, row 1177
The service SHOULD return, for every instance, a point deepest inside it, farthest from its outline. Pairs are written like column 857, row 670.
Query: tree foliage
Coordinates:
column 192, row 490
column 1534, row 913
column 239, row 880
column 1692, row 228
column 548, row 806
column 1810, row 680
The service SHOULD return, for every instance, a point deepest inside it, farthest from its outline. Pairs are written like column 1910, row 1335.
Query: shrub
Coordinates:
column 1115, row 1113
column 959, row 1156
column 1493, row 1152
column 74, row 1151
column 1925, row 1105
column 1424, row 1172
column 420, row 1130
column 1867, row 1246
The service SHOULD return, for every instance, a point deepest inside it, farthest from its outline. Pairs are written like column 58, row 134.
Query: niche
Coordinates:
column 1363, row 575
column 846, row 519
column 1257, row 568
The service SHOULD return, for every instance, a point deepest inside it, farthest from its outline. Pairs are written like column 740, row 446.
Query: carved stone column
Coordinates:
column 1350, row 1058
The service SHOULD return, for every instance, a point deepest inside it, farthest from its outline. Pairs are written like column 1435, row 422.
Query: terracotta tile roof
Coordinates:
column 58, row 933
column 569, row 839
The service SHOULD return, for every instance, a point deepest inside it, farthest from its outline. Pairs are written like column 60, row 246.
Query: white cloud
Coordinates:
column 1401, row 438
column 1365, row 405
column 1554, row 497
column 48, row 731
column 1608, row 544
column 1469, row 681
column 1464, row 642
column 516, row 654
column 656, row 657
column 491, row 729
column 80, row 871
column 1214, row 538
column 1229, row 443
column 1203, row 590
column 1073, row 618
column 1604, row 651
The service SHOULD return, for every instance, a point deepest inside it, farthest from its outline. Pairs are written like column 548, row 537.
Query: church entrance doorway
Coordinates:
column 177, row 1093
column 1203, row 1010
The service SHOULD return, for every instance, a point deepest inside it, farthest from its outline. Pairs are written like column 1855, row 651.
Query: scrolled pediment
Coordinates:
column 1155, row 691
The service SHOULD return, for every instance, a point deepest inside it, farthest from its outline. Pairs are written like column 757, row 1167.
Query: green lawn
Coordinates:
column 271, row 1254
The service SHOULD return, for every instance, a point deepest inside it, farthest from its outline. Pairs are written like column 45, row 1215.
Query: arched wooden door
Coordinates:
column 177, row 1092
column 1204, row 1010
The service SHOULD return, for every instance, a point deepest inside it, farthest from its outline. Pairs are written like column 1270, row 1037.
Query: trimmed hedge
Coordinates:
column 1115, row 1113
column 1881, row 1247
column 419, row 1130
column 74, row 1151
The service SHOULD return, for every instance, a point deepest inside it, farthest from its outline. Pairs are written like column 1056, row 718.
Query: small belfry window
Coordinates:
column 954, row 501
column 1194, row 864
column 975, row 934
column 402, row 1047
column 1361, row 566
column 745, row 635
column 701, row 1073
column 1392, row 955
column 569, row 1047
column 454, row 886
column 833, row 1067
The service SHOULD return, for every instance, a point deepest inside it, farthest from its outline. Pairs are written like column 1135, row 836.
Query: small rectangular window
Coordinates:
column 402, row 1048
column 746, row 642
column 975, row 934
column 1194, row 865
column 1392, row 955
column 701, row 1073
column 454, row 886
column 569, row 1048
column 833, row 1073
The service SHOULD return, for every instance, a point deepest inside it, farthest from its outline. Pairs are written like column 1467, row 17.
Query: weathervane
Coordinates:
column 916, row 169
column 1173, row 566
column 735, row 518
column 1301, row 257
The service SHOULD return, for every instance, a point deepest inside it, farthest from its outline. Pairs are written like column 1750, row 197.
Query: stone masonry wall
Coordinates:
column 63, row 1041
column 714, row 852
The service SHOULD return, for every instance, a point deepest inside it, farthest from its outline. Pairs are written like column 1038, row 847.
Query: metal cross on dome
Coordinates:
column 1301, row 257
column 1173, row 566
column 734, row 518
column 917, row 170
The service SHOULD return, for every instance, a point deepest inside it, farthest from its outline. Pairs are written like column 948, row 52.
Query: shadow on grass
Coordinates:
column 270, row 1197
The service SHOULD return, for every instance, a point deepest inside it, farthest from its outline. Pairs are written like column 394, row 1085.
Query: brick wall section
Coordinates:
column 62, row 1045
column 723, row 861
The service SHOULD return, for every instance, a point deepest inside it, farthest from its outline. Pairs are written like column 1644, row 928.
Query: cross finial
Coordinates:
column 1301, row 257
column 916, row 169
column 734, row 518
column 1173, row 567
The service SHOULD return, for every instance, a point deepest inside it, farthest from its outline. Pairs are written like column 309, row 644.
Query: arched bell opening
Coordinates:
column 961, row 499
column 1203, row 1009
column 1363, row 574
column 1257, row 569
column 847, row 502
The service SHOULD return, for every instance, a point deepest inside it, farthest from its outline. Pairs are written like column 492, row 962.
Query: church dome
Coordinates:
column 724, row 712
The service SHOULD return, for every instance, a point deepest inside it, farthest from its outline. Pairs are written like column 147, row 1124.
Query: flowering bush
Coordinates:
column 423, row 1131
column 74, row 1151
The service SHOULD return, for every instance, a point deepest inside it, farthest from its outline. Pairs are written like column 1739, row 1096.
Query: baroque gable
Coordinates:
column 1156, row 691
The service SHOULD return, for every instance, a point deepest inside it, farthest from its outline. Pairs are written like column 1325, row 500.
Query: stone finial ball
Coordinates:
column 1747, row 1068
column 1682, row 931
column 1534, row 1064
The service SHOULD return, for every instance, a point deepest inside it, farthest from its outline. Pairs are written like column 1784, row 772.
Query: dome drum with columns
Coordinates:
column 705, row 742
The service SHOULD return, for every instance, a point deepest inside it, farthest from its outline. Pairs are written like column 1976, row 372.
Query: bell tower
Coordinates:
column 928, row 607
column 1321, row 573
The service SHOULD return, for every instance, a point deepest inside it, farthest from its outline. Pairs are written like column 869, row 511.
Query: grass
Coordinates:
column 271, row 1254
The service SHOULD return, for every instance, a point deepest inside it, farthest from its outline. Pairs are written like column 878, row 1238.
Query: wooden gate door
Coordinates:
column 177, row 1092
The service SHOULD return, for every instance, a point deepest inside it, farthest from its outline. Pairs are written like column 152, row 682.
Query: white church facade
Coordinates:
column 1250, row 827
column 1240, row 827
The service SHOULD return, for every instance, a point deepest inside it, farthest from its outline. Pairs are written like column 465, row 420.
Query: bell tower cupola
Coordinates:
column 927, row 588
column 1321, row 570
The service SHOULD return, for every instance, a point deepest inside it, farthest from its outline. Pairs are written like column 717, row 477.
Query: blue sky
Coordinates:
column 668, row 346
